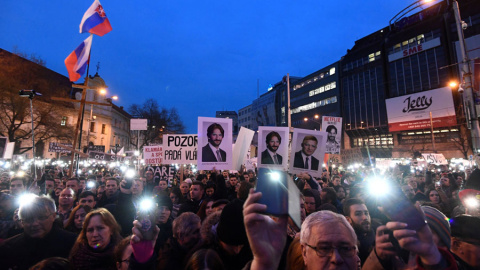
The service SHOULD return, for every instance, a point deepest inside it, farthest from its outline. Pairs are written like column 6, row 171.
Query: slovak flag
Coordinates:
column 95, row 20
column 77, row 61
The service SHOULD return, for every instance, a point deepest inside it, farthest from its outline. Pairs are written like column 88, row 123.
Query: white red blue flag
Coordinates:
column 77, row 61
column 95, row 20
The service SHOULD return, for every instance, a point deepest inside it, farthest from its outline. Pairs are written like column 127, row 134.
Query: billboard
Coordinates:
column 411, row 112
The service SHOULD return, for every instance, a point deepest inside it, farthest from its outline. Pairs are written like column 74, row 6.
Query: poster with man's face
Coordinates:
column 308, row 151
column 215, row 140
column 333, row 127
column 273, row 147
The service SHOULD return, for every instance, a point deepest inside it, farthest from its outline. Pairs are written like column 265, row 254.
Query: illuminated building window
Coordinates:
column 64, row 121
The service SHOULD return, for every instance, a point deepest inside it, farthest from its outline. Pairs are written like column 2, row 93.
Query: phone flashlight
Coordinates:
column 146, row 217
column 91, row 184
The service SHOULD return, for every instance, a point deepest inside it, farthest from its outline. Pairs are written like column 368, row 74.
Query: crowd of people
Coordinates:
column 213, row 220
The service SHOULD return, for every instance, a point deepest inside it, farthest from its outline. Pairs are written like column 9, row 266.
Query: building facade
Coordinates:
column 414, row 55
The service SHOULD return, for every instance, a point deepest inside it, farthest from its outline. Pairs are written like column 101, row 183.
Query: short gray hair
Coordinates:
column 37, row 205
column 322, row 218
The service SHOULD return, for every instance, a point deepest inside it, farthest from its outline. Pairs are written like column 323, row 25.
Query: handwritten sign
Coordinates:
column 437, row 159
column 153, row 154
column 180, row 149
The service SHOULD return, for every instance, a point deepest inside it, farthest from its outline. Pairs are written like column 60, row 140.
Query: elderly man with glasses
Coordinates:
column 41, row 239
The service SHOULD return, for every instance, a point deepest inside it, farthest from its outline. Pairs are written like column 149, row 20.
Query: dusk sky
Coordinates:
column 197, row 56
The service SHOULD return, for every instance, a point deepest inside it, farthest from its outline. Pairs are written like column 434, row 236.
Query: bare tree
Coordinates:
column 16, row 123
column 160, row 121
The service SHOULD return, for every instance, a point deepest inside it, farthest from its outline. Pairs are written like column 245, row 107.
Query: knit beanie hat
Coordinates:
column 466, row 227
column 438, row 222
column 231, row 229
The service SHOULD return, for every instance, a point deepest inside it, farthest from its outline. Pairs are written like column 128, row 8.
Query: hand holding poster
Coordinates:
column 333, row 127
column 308, row 151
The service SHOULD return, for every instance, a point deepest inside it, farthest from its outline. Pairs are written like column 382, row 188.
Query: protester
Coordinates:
column 177, row 199
column 65, row 204
column 122, row 254
column 197, row 191
column 40, row 240
column 465, row 243
column 77, row 217
column 87, row 198
column 358, row 216
column 17, row 185
column 95, row 244
column 205, row 259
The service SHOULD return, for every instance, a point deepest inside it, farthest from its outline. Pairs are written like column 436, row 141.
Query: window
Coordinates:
column 332, row 71
column 64, row 121
column 104, row 129
column 92, row 126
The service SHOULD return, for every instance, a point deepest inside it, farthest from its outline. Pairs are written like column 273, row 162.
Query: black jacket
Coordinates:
column 22, row 251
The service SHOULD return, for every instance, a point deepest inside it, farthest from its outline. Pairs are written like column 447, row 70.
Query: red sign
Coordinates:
column 423, row 124
column 413, row 50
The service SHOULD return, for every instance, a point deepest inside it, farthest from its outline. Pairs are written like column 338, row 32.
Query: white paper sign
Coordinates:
column 437, row 159
column 241, row 147
column 153, row 155
column 180, row 149
column 138, row 124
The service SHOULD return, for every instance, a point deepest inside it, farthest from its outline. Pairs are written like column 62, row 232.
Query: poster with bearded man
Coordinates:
column 215, row 139
column 273, row 147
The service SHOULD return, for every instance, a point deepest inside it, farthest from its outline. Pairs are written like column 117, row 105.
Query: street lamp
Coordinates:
column 31, row 94
column 316, row 116
column 407, row 10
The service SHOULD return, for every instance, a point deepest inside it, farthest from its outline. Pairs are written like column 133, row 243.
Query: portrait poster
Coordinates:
column 215, row 140
column 333, row 127
column 273, row 147
column 308, row 151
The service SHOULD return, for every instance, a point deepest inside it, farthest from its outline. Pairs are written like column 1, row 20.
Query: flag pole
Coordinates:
column 79, row 126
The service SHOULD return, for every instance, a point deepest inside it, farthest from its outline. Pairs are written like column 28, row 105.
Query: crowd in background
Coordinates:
column 212, row 220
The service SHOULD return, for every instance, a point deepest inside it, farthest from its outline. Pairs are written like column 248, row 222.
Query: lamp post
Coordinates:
column 467, row 80
column 31, row 94
column 407, row 10
column 316, row 116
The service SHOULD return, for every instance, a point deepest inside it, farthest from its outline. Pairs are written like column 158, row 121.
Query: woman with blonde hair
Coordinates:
column 96, row 243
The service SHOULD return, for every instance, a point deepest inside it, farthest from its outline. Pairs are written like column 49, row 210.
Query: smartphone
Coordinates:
column 273, row 185
column 128, row 183
column 146, row 217
column 397, row 207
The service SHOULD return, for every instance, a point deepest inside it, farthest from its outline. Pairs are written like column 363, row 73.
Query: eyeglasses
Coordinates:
column 30, row 220
column 344, row 251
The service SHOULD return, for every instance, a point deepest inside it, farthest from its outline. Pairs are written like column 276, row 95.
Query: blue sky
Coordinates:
column 197, row 56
